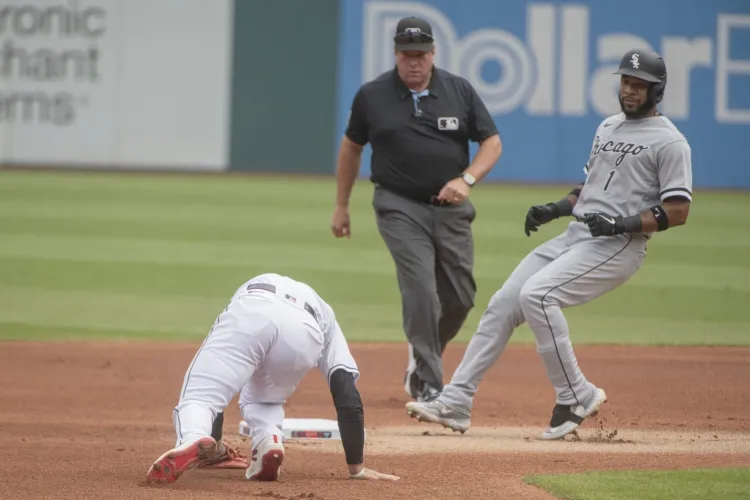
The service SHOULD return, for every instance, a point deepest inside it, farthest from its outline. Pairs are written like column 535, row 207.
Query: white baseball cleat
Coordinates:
column 266, row 461
column 438, row 412
column 567, row 418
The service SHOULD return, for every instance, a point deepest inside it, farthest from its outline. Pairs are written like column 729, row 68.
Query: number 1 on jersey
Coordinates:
column 609, row 179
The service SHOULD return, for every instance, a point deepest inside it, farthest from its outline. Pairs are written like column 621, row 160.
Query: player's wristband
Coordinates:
column 660, row 215
column 563, row 208
column 632, row 224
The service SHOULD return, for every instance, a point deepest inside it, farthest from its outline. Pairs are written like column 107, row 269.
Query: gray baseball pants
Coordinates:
column 433, row 250
column 566, row 271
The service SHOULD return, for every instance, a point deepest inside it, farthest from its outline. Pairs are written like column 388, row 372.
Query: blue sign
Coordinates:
column 544, row 70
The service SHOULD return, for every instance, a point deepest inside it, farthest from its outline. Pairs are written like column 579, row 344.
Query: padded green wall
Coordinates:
column 284, row 86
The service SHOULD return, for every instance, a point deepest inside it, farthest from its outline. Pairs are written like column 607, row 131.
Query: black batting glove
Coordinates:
column 538, row 215
column 604, row 225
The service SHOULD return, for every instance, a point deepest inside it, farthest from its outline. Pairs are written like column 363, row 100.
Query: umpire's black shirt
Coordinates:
column 416, row 151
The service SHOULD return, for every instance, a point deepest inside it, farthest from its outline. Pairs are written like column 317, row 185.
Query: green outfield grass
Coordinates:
column 696, row 484
column 115, row 255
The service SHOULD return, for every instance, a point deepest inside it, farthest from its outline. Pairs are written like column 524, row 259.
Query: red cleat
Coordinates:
column 170, row 466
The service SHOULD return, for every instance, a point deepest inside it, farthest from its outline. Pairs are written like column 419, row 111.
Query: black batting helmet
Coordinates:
column 646, row 65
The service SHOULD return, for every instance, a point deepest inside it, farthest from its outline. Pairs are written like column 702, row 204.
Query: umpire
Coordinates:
column 419, row 120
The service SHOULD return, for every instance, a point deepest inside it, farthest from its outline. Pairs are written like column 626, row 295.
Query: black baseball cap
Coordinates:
column 413, row 33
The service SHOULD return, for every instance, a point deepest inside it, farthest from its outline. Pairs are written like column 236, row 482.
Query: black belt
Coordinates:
column 431, row 200
column 272, row 288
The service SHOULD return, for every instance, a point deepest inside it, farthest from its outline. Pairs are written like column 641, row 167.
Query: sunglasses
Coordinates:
column 406, row 37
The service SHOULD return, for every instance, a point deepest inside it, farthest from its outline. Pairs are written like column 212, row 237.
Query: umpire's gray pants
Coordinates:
column 433, row 250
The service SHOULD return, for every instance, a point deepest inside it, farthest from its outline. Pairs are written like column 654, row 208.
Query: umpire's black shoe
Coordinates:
column 427, row 394
column 412, row 385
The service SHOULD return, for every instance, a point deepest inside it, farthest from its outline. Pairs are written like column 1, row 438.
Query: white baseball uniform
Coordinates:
column 273, row 331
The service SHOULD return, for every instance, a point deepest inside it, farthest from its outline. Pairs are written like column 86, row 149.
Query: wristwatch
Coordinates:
column 469, row 179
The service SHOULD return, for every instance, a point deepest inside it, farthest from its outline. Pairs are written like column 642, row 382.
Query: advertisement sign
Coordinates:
column 544, row 70
column 58, row 63
column 115, row 83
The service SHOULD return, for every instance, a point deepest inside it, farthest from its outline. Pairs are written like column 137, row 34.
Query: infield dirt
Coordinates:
column 85, row 421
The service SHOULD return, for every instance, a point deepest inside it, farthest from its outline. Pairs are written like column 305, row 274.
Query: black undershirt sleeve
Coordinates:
column 350, row 413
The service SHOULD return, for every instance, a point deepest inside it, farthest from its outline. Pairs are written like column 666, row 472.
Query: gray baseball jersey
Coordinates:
column 634, row 164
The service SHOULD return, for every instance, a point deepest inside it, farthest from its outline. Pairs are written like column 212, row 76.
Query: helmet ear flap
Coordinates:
column 656, row 91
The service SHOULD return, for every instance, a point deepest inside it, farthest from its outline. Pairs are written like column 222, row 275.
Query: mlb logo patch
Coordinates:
column 447, row 123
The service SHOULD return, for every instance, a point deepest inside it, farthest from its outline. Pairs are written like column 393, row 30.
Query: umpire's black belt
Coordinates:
column 272, row 288
column 429, row 200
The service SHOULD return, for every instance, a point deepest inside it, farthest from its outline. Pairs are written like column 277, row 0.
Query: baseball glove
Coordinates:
column 228, row 458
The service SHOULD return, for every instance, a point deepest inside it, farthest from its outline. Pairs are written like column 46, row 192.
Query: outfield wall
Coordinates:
column 545, row 69
column 284, row 86
column 266, row 86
